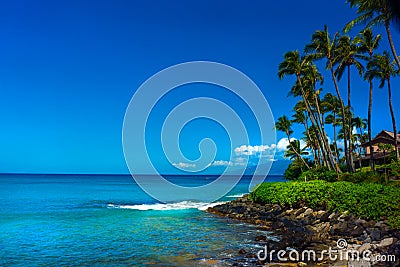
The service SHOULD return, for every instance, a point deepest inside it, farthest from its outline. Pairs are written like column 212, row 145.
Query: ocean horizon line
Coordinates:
column 126, row 174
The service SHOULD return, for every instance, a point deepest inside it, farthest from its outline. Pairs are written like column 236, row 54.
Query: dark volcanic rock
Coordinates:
column 305, row 228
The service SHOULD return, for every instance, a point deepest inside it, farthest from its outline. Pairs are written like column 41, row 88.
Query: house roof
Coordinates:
column 385, row 137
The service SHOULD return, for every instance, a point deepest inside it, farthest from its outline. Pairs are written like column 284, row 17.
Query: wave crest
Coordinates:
column 183, row 205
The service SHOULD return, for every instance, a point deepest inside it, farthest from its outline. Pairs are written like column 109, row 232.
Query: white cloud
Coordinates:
column 253, row 150
column 283, row 143
column 184, row 165
column 221, row 163
column 236, row 162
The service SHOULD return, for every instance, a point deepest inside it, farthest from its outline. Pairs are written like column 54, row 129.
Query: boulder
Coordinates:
column 375, row 234
column 386, row 242
column 365, row 246
column 357, row 231
column 362, row 223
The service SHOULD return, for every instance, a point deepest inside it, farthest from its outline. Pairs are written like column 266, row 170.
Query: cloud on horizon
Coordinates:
column 249, row 155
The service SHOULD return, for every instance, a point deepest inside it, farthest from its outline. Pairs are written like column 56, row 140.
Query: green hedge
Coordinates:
column 365, row 200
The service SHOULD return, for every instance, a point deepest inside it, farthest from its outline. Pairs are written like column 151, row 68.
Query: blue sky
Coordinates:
column 68, row 70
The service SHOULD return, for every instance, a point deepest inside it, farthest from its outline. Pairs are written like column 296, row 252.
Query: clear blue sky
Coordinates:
column 68, row 69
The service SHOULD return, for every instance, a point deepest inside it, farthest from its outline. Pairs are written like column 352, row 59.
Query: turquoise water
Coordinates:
column 89, row 220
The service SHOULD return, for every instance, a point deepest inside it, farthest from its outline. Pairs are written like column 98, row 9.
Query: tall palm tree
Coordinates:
column 331, row 104
column 348, row 55
column 283, row 124
column 300, row 116
column 374, row 12
column 367, row 43
column 301, row 67
column 323, row 46
column 383, row 68
column 310, row 81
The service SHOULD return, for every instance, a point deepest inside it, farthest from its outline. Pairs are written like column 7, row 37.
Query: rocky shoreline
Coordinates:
column 303, row 228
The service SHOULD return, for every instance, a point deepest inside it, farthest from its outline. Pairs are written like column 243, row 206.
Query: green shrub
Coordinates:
column 294, row 170
column 362, row 176
column 395, row 168
column 319, row 173
column 365, row 200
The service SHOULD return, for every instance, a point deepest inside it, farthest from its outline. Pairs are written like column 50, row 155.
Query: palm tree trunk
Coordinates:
column 390, row 38
column 322, row 136
column 371, row 149
column 311, row 114
column 393, row 120
column 349, row 87
column 331, row 159
column 316, row 159
column 350, row 133
column 335, row 137
column 343, row 115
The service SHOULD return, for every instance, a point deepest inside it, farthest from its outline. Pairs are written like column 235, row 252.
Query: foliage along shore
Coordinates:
column 315, row 214
column 342, row 53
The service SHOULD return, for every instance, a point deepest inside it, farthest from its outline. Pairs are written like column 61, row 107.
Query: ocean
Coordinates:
column 107, row 220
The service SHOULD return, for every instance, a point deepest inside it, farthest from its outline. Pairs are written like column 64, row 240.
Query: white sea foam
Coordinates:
column 183, row 205
column 236, row 196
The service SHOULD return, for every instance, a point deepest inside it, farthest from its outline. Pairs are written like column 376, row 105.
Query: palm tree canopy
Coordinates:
column 372, row 12
column 359, row 122
column 366, row 41
column 347, row 54
column 330, row 103
column 284, row 125
column 294, row 64
column 322, row 45
column 382, row 67
column 294, row 149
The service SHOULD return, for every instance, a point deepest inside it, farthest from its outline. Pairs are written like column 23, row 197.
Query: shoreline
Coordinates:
column 303, row 228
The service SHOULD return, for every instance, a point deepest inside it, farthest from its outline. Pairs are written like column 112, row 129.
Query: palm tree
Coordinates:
column 367, row 43
column 301, row 117
column 360, row 124
column 311, row 140
column 310, row 80
column 285, row 125
column 306, row 74
column 347, row 55
column 323, row 46
column 383, row 68
column 297, row 65
column 331, row 104
column 374, row 12
column 295, row 151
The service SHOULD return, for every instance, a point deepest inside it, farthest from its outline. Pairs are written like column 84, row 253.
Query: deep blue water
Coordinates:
column 97, row 220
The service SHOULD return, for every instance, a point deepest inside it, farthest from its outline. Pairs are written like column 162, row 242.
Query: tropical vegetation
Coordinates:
column 365, row 200
column 316, row 111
